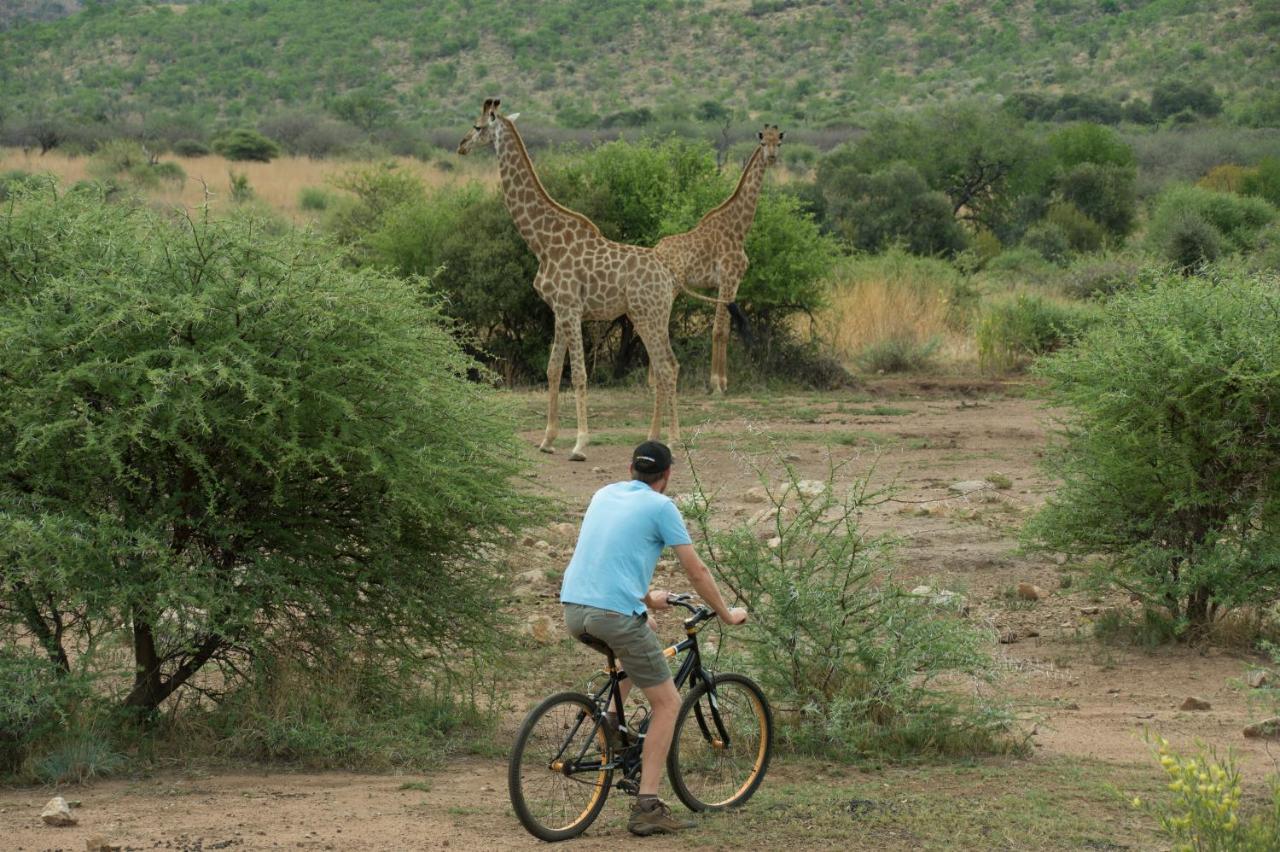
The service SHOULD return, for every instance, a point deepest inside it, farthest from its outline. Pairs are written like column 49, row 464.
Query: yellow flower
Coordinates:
column 1137, row 802
column 1176, row 786
column 1167, row 761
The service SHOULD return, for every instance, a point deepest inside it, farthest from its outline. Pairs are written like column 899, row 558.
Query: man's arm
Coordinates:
column 705, row 585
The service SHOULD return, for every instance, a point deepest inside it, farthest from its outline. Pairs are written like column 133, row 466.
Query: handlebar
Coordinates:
column 700, row 612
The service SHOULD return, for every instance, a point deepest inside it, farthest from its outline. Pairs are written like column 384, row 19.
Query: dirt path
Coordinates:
column 1084, row 699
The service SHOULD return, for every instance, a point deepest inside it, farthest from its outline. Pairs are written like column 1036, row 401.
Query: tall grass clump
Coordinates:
column 1014, row 332
column 219, row 443
column 1169, row 456
column 853, row 663
column 895, row 311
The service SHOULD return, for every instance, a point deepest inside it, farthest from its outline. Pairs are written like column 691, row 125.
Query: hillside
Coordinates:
column 583, row 62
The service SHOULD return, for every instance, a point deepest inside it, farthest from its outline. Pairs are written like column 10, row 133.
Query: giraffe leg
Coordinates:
column 578, row 368
column 555, row 368
column 719, row 350
column 730, row 277
column 666, row 370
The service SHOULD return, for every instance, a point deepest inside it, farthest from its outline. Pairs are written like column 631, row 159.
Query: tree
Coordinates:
column 246, row 144
column 1172, row 97
column 1169, row 457
column 218, row 439
column 981, row 159
column 892, row 205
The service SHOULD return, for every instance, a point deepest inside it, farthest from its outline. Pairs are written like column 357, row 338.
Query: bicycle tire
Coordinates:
column 705, row 775
column 559, row 725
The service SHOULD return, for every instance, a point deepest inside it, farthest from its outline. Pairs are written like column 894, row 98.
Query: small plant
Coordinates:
column 314, row 198
column 1000, row 481
column 240, row 189
column 1204, row 812
column 898, row 355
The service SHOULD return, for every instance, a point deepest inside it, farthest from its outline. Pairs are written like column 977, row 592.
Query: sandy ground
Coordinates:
column 1082, row 698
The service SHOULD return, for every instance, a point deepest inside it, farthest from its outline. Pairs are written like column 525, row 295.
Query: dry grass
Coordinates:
column 893, row 297
column 276, row 183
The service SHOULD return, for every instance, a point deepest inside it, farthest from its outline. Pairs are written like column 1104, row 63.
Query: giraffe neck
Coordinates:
column 536, row 215
column 736, row 214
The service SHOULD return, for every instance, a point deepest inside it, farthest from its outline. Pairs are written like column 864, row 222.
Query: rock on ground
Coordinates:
column 57, row 812
column 1193, row 703
column 542, row 628
column 1031, row 592
column 969, row 486
column 1258, row 678
column 1266, row 729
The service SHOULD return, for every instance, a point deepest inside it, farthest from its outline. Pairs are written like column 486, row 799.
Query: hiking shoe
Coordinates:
column 655, row 818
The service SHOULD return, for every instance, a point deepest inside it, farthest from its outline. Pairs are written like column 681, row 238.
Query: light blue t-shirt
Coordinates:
column 623, row 533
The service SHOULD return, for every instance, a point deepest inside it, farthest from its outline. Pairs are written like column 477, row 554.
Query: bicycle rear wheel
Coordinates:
column 722, row 744
column 557, row 775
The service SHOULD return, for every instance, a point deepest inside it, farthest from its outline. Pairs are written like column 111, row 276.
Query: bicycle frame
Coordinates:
column 690, row 671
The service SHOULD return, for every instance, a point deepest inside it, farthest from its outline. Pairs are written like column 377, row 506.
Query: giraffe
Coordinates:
column 711, row 255
column 582, row 276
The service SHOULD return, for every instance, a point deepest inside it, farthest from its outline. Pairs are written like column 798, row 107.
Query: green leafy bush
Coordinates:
column 1082, row 233
column 314, row 198
column 1104, row 193
column 1050, row 241
column 853, row 663
column 1263, row 181
column 126, row 159
column 1170, row 460
column 219, row 439
column 1172, row 97
column 246, row 144
column 1013, row 333
column 191, row 148
column 1100, row 277
column 1191, row 225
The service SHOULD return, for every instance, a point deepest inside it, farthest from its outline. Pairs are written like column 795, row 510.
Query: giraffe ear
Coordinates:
column 760, row 136
column 513, row 116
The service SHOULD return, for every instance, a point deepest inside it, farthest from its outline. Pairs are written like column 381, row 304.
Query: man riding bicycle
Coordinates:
column 606, row 597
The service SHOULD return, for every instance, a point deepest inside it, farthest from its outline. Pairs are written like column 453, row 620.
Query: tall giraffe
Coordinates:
column 582, row 276
column 711, row 256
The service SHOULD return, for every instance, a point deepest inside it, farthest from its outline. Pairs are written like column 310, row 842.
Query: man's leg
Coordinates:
column 664, row 703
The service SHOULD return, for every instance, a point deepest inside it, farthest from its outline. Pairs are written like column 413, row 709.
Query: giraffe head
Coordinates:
column 481, row 133
column 770, row 141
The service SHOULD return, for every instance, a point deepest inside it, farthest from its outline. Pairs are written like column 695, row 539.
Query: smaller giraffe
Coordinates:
column 711, row 256
column 582, row 276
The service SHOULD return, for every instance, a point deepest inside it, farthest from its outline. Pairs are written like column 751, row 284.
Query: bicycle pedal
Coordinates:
column 628, row 786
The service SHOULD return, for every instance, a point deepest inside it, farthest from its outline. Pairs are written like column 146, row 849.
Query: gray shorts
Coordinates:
column 629, row 636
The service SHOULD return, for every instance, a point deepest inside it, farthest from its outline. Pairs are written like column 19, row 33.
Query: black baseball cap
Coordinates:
column 651, row 457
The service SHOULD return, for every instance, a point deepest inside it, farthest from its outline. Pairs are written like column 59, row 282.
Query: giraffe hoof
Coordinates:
column 577, row 456
column 546, row 448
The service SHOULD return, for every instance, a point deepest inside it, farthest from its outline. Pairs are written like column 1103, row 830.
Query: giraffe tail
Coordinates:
column 713, row 300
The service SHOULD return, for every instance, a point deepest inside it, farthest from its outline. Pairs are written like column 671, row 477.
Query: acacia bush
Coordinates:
column 219, row 441
column 1170, row 454
column 852, row 662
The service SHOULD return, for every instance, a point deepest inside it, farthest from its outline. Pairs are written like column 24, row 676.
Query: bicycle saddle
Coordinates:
column 598, row 644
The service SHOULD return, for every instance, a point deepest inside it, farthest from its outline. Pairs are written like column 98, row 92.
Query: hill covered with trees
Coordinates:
column 601, row 63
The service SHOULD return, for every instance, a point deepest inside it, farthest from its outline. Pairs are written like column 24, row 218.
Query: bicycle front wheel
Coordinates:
column 722, row 744
column 558, row 776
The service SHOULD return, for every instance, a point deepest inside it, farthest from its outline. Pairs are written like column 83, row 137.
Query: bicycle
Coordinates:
column 562, row 767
